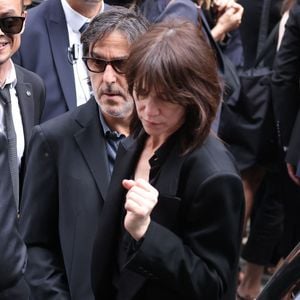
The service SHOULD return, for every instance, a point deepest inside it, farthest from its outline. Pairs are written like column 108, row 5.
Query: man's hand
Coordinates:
column 140, row 201
column 292, row 173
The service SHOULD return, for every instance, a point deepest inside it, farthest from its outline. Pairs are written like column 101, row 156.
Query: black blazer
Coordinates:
column 285, row 87
column 65, row 183
column 191, row 248
column 31, row 96
column 30, row 93
column 44, row 50
column 12, row 248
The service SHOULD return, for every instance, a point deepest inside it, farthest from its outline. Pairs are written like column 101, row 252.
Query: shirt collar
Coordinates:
column 11, row 78
column 74, row 19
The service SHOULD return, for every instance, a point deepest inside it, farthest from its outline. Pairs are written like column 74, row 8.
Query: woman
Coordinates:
column 171, row 226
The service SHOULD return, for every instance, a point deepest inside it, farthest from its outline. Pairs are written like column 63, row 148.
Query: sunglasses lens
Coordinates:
column 96, row 65
column 11, row 25
column 119, row 65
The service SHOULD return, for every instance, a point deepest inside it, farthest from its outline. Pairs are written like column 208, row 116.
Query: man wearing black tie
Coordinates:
column 21, row 103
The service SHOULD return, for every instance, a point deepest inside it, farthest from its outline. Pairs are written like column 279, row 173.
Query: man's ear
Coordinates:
column 24, row 14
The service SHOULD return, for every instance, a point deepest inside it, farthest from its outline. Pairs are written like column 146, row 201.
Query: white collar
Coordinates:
column 11, row 78
column 74, row 19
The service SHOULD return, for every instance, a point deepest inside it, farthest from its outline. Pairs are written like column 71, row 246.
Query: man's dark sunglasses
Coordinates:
column 98, row 65
column 11, row 25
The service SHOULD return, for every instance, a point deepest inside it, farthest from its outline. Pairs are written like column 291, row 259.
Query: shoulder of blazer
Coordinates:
column 73, row 120
column 30, row 86
column 210, row 159
column 46, row 6
column 26, row 76
column 37, row 17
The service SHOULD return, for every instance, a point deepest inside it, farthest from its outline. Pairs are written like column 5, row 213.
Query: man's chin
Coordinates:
column 117, row 113
column 112, row 113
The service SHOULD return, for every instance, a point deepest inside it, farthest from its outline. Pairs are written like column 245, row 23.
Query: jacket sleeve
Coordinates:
column 198, row 262
column 285, row 80
column 45, row 272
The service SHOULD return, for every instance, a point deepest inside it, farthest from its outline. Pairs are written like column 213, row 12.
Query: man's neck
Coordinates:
column 89, row 9
column 121, row 125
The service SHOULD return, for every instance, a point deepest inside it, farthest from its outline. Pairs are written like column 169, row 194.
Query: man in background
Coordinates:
column 21, row 104
column 51, row 47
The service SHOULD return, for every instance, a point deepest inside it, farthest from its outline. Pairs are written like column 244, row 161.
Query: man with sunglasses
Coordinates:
column 21, row 104
column 51, row 48
column 70, row 161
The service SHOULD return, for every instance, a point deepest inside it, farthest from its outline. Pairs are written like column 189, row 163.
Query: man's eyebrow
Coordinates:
column 10, row 13
column 100, row 56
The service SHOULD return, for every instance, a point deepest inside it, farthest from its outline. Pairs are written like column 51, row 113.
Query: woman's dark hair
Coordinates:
column 174, row 61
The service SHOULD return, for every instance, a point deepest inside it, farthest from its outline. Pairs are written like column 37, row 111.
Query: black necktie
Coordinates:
column 12, row 141
column 83, row 27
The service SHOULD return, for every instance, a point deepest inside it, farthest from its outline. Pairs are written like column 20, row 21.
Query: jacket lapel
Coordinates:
column 26, row 103
column 59, row 43
column 91, row 142
column 111, row 217
column 167, row 209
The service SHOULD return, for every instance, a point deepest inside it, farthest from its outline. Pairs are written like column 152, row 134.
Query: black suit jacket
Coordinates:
column 65, row 183
column 285, row 87
column 12, row 248
column 191, row 249
column 44, row 50
column 31, row 96
column 30, row 93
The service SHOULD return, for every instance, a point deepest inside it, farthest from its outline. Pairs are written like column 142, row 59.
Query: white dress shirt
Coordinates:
column 74, row 23
column 11, row 80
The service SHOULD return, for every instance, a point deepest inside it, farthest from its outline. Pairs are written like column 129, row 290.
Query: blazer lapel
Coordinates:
column 111, row 217
column 26, row 103
column 166, row 212
column 92, row 145
column 59, row 43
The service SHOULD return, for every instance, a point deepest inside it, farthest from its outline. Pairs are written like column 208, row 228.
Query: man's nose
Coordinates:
column 109, row 74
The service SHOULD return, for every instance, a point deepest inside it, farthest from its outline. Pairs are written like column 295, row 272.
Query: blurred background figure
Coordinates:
column 270, row 200
column 286, row 95
column 55, row 27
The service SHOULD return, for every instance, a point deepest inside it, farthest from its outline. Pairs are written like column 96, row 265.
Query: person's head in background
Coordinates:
column 172, row 68
column 106, row 44
column 12, row 17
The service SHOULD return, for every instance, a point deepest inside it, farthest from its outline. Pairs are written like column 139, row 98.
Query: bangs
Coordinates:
column 157, row 71
column 153, row 83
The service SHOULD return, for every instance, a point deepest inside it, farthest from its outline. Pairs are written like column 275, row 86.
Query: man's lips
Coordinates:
column 3, row 43
column 111, row 94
